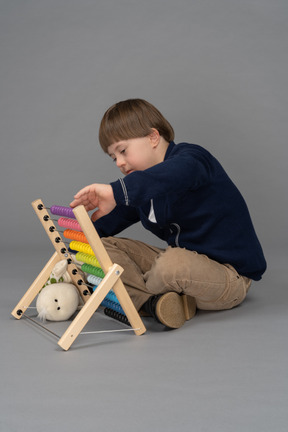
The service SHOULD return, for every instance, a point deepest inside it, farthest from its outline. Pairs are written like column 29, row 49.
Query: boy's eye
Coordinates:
column 114, row 158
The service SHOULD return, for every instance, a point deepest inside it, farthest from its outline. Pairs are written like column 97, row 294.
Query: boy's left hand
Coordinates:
column 96, row 196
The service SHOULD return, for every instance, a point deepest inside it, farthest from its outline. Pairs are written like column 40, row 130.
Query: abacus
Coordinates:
column 94, row 259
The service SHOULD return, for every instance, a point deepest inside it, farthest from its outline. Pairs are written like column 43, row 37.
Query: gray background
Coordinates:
column 217, row 69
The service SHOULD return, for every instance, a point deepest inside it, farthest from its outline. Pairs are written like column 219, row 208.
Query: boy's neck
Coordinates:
column 162, row 148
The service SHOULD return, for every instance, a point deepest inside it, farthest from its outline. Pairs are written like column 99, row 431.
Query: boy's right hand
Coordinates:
column 95, row 196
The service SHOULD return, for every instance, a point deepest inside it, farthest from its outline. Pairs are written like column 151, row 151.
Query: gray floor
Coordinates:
column 222, row 371
column 217, row 69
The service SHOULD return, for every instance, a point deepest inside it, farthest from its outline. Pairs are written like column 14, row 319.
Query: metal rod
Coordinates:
column 40, row 325
column 108, row 331
column 82, row 333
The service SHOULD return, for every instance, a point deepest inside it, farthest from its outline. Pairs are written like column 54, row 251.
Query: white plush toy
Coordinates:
column 59, row 273
column 57, row 302
column 58, row 299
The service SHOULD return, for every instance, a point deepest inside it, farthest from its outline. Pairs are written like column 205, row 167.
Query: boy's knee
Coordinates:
column 113, row 249
column 163, row 275
column 107, row 241
column 175, row 261
column 164, row 263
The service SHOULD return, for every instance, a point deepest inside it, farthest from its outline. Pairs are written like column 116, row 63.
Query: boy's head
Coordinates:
column 133, row 118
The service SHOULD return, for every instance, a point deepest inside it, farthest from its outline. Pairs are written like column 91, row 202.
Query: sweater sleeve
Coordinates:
column 182, row 171
column 116, row 221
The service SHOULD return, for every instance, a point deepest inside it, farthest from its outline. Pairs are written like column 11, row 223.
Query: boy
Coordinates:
column 182, row 194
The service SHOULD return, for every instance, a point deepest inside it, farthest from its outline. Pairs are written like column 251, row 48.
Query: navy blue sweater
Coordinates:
column 196, row 206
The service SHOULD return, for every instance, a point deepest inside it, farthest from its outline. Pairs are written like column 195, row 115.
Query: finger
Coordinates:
column 97, row 215
column 88, row 200
column 78, row 202
column 85, row 191
column 74, row 203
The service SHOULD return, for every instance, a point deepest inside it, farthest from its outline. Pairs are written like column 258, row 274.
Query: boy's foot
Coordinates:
column 171, row 309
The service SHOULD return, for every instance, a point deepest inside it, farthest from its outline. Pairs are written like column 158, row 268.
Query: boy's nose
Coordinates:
column 120, row 162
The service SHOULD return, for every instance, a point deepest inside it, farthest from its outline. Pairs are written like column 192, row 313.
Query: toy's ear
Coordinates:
column 60, row 268
column 57, row 302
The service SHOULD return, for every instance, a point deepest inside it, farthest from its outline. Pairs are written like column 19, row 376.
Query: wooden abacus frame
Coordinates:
column 91, row 301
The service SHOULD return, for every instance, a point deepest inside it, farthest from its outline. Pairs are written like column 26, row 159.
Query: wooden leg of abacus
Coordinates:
column 129, row 308
column 90, row 307
column 106, row 263
column 35, row 287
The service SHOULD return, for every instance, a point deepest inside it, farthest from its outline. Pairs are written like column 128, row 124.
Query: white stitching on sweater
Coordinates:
column 124, row 191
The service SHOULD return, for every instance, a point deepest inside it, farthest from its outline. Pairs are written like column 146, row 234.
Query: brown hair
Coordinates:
column 133, row 118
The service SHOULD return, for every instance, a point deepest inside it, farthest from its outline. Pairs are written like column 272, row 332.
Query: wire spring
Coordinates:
column 116, row 315
column 94, row 280
column 112, row 305
column 88, row 259
column 62, row 211
column 96, row 271
column 75, row 235
column 114, row 302
column 81, row 247
column 69, row 223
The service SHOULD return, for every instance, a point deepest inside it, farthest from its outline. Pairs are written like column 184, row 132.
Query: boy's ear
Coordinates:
column 154, row 137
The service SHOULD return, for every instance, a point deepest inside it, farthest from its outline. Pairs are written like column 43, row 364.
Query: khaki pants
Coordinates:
column 149, row 270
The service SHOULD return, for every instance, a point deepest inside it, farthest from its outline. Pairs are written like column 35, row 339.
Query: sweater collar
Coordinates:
column 169, row 149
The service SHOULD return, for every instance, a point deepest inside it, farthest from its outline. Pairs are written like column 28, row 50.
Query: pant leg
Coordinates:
column 136, row 258
column 214, row 286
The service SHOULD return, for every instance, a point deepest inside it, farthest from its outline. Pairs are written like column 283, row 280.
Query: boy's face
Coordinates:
column 135, row 154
